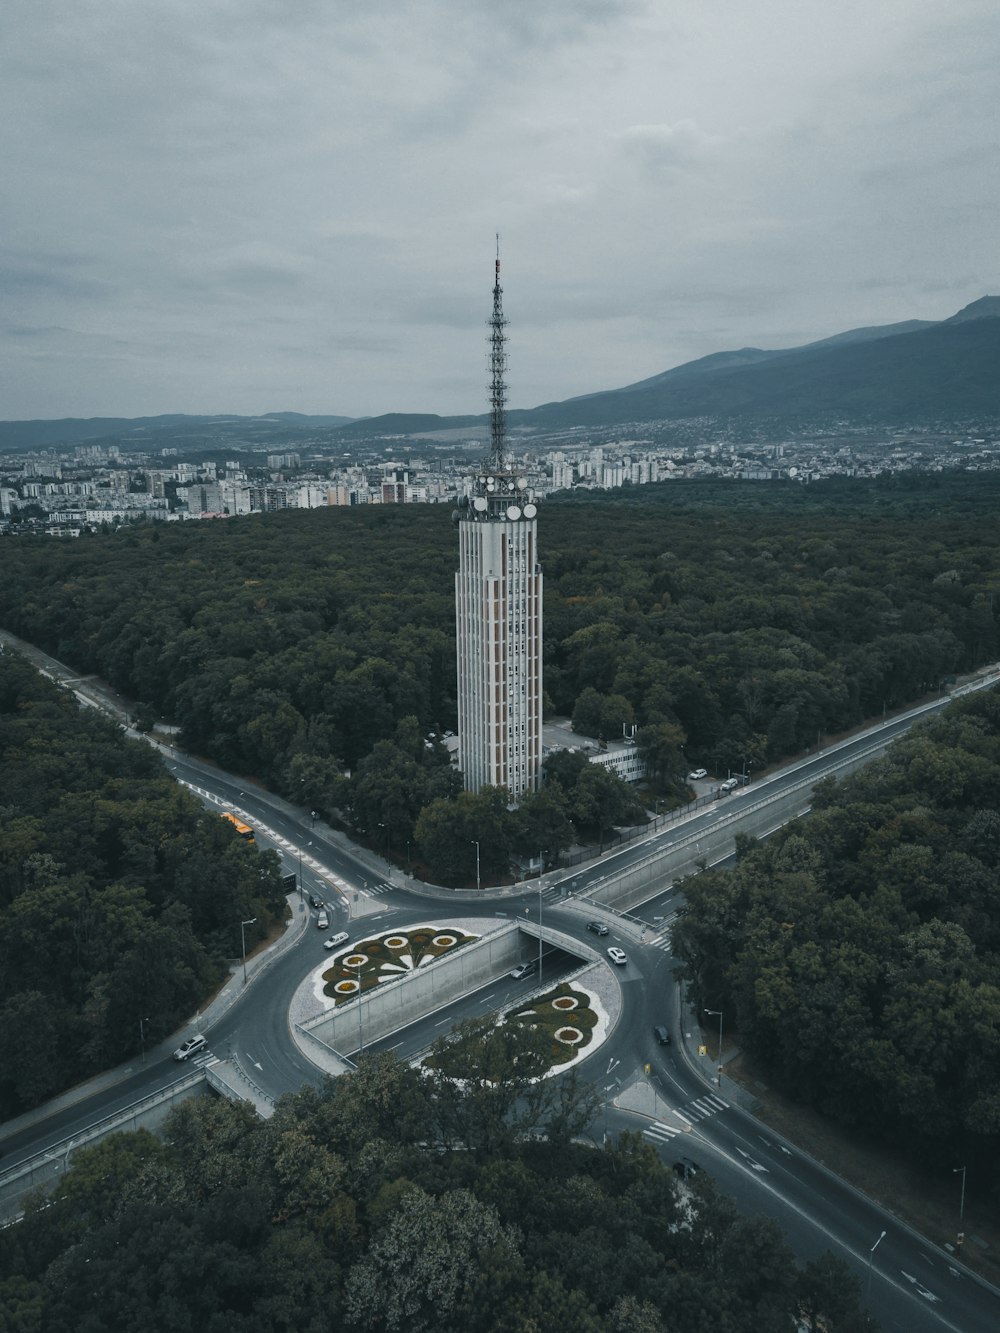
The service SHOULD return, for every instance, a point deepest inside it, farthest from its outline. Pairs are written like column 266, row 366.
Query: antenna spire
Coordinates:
column 497, row 363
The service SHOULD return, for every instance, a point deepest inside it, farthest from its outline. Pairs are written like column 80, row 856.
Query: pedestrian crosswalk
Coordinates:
column 291, row 849
column 663, row 940
column 660, row 1132
column 699, row 1108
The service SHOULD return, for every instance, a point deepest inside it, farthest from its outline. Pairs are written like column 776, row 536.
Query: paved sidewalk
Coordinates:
column 213, row 1011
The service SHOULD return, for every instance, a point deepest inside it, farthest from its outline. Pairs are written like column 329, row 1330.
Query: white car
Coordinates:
column 340, row 938
column 730, row 784
column 323, row 921
column 617, row 956
column 697, row 774
column 190, row 1047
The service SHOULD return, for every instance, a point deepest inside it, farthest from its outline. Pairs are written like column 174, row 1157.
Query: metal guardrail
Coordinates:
column 264, row 1096
column 100, row 1128
column 730, row 816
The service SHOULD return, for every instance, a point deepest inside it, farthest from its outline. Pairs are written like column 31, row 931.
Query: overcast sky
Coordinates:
column 259, row 205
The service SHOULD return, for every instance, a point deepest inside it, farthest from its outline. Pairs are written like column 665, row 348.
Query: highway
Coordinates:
column 911, row 1285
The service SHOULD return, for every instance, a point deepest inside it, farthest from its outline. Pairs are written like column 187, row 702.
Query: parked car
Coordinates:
column 697, row 774
column 598, row 927
column 617, row 956
column 524, row 970
column 341, row 937
column 190, row 1047
column 323, row 921
column 730, row 784
column 662, row 1035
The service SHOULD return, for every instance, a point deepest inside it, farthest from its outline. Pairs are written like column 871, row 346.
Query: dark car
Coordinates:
column 598, row 927
column 316, row 901
column 685, row 1169
column 662, row 1035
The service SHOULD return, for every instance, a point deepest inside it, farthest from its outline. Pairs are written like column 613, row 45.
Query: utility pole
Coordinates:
column 717, row 1013
column 243, row 939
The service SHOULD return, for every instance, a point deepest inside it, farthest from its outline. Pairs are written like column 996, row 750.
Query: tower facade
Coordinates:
column 498, row 608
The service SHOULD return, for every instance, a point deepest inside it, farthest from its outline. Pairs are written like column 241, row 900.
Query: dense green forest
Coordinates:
column 738, row 621
column 858, row 950
column 394, row 1200
column 120, row 897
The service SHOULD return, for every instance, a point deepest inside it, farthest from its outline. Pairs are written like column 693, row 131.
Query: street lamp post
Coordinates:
column 612, row 1065
column 476, row 845
column 539, row 932
column 961, row 1206
column 142, row 1038
column 243, row 939
column 298, row 852
column 871, row 1256
column 717, row 1013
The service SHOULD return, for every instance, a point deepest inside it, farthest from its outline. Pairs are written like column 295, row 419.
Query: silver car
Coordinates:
column 190, row 1047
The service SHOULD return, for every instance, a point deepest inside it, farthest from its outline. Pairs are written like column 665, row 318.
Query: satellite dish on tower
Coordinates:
column 530, row 510
column 480, row 502
column 513, row 512
column 522, row 483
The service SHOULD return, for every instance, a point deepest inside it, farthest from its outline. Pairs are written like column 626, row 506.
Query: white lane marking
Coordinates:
column 662, row 1132
column 751, row 1162
column 927, row 1295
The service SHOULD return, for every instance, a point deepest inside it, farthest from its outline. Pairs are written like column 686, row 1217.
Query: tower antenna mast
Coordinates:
column 497, row 361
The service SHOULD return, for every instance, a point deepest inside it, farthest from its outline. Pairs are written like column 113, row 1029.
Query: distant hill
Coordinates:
column 898, row 371
column 908, row 371
column 403, row 423
column 29, row 435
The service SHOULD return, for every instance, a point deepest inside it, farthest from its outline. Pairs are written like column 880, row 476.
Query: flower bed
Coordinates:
column 385, row 957
column 565, row 1014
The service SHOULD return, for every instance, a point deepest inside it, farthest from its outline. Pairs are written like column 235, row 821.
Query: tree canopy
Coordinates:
column 392, row 1201
column 120, row 897
column 731, row 624
column 858, row 950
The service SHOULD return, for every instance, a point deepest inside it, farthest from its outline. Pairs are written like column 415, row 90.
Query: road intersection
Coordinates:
column 669, row 1093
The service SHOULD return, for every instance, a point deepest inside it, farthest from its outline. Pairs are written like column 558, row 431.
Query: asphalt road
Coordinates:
column 912, row 1285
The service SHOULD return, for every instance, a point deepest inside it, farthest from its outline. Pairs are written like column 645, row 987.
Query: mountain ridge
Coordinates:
column 890, row 372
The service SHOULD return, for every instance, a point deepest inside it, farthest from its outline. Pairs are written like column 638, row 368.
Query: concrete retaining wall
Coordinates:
column 746, row 812
column 415, row 994
column 149, row 1113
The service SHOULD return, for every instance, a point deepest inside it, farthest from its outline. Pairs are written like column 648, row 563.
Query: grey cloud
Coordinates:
column 291, row 203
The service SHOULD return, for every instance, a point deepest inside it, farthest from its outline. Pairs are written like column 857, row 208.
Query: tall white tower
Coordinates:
column 498, row 608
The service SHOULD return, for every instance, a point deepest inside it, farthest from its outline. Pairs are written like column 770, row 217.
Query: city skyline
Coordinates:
column 290, row 213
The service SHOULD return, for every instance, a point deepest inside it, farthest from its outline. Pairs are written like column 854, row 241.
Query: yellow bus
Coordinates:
column 244, row 830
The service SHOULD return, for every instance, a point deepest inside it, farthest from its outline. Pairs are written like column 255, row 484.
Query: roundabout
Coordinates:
column 385, row 987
